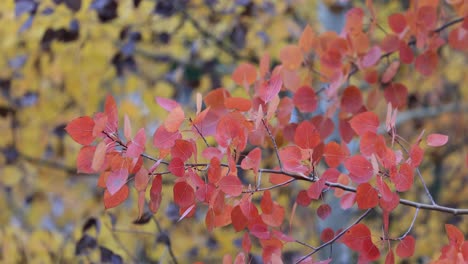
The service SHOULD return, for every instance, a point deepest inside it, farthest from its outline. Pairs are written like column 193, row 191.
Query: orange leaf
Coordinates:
column 84, row 159
column 238, row 103
column 245, row 74
column 111, row 201
column 291, row 57
column 174, row 119
column 99, row 155
column 81, row 130
column 307, row 39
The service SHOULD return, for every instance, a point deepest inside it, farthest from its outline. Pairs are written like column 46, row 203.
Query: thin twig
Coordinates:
column 411, row 226
column 270, row 187
column 336, row 237
column 201, row 135
column 274, row 143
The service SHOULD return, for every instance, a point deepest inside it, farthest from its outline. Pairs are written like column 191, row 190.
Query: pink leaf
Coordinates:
column 116, row 180
column 167, row 104
column 137, row 146
column 437, row 140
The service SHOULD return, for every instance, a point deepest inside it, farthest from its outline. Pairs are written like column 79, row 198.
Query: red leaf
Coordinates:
column 136, row 147
column 364, row 122
column 390, row 43
column 358, row 238
column 458, row 39
column 164, row 139
column 291, row 57
column 214, row 170
column 454, row 235
column 416, row 155
column 174, row 119
column 405, row 248
column 110, row 109
column 111, row 201
column 437, row 140
column 351, row 100
column 323, row 211
column 141, row 180
column 390, row 258
column 306, row 135
column 260, row 231
column 239, row 220
column 246, row 243
column 397, row 94
column 334, row 154
column 346, row 132
column 182, row 149
column 327, row 235
column 426, row 63
column 303, row 198
column 276, row 217
column 81, row 130
column 360, row 168
column 315, row 189
column 391, row 203
column 384, row 190
column 229, row 132
column 116, row 180
column 403, row 180
column 230, row 185
column 238, row 103
column 155, row 193
column 355, row 237
column 291, row 157
column 84, row 159
column 406, row 53
column 390, row 72
column 244, row 74
column 397, row 22
column 184, row 195
column 177, row 167
column 305, row 99
column 266, row 204
column 252, row 160
column 366, row 196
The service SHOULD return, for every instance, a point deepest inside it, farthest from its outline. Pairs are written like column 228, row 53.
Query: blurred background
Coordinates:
column 60, row 58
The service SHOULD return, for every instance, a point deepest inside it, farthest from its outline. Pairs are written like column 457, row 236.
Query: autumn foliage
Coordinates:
column 215, row 154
